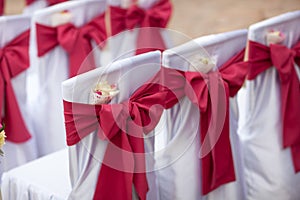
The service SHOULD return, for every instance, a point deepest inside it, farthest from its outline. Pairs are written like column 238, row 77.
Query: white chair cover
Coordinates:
column 49, row 72
column 86, row 156
column 268, row 167
column 179, row 152
column 124, row 44
column 42, row 179
column 17, row 154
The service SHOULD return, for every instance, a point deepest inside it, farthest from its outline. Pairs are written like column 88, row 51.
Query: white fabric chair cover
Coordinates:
column 124, row 44
column 86, row 156
column 178, row 154
column 42, row 179
column 268, row 167
column 49, row 72
column 17, row 154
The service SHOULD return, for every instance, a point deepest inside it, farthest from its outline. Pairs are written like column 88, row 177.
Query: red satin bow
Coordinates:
column 50, row 2
column 261, row 58
column 75, row 41
column 14, row 60
column 123, row 125
column 157, row 16
column 212, row 97
column 81, row 120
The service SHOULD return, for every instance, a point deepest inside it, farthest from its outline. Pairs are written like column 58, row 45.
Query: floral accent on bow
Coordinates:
column 103, row 93
column 275, row 37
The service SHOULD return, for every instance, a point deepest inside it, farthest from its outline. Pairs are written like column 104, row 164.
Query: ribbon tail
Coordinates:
column 217, row 160
column 295, row 149
column 149, row 39
column 15, row 127
column 117, row 182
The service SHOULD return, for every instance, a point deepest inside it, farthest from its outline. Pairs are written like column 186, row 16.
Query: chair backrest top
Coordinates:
column 128, row 74
column 12, row 26
column 288, row 24
column 82, row 11
column 218, row 47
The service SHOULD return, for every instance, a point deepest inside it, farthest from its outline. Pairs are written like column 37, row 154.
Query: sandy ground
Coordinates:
column 201, row 17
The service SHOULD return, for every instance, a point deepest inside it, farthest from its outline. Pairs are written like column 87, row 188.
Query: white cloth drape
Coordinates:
column 268, row 168
column 86, row 156
column 46, row 178
column 180, row 176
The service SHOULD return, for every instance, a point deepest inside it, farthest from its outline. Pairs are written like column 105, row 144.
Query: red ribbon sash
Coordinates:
column 213, row 91
column 118, row 124
column 157, row 16
column 14, row 60
column 75, row 41
column 282, row 58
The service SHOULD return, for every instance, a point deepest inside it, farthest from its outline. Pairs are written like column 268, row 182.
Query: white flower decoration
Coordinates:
column 103, row 93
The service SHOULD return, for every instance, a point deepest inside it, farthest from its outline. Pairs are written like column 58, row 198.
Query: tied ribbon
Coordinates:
column 14, row 59
column 75, row 41
column 148, row 39
column 50, row 2
column 282, row 58
column 212, row 92
column 165, row 89
column 123, row 125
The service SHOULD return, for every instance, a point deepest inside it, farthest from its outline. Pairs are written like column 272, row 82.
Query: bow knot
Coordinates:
column 135, row 16
column 283, row 59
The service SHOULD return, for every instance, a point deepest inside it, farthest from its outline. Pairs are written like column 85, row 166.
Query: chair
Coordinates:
column 87, row 155
column 178, row 157
column 269, row 169
column 21, row 144
column 54, row 59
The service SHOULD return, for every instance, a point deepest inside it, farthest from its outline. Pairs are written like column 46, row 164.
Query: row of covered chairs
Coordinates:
column 253, row 156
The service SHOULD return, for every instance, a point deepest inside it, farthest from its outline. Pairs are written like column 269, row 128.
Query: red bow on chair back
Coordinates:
column 50, row 2
column 212, row 97
column 282, row 58
column 75, row 41
column 14, row 59
column 123, row 126
column 148, row 38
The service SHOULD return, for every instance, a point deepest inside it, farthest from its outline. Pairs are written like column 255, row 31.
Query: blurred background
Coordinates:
column 201, row 17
